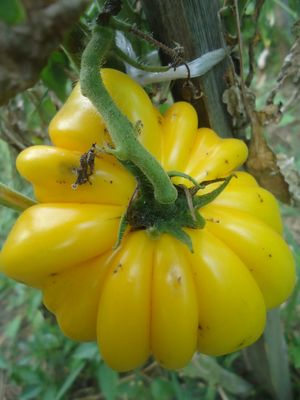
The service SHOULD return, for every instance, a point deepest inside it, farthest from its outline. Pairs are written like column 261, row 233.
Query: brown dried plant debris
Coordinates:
column 291, row 175
column 289, row 78
column 233, row 99
column 262, row 164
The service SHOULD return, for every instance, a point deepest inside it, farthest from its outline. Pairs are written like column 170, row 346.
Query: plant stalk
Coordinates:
column 122, row 132
column 136, row 64
column 13, row 199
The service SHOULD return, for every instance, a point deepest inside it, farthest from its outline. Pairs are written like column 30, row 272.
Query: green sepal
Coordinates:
column 180, row 235
column 144, row 212
column 122, row 228
column 201, row 201
column 200, row 220
column 176, row 231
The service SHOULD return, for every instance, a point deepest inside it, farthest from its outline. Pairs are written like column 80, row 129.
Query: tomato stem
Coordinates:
column 13, row 199
column 137, row 64
column 122, row 132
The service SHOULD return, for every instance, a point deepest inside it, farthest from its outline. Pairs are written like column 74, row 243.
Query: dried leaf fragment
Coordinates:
column 262, row 164
column 233, row 99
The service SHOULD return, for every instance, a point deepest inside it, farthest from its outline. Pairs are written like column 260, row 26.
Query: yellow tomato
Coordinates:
column 149, row 296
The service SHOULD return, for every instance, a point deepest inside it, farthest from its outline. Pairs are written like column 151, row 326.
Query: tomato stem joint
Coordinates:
column 145, row 212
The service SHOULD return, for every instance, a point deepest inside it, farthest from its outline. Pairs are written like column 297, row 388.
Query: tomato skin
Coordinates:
column 148, row 296
column 230, row 305
column 79, row 130
column 124, row 312
column 110, row 184
column 260, row 248
column 50, row 238
column 174, row 306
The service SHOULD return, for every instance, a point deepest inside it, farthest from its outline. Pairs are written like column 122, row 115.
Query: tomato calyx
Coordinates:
column 145, row 212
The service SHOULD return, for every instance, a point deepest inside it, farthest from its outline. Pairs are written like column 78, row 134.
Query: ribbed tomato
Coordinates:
column 149, row 295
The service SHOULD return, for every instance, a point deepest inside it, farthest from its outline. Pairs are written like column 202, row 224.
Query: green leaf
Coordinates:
column 31, row 393
column 295, row 355
column 13, row 327
column 4, row 364
column 211, row 392
column 179, row 393
column 12, row 11
column 268, row 359
column 69, row 381
column 290, row 310
column 50, row 392
column 54, row 76
column 86, row 351
column 286, row 8
column 29, row 375
column 228, row 16
column 107, row 379
column 161, row 389
column 133, row 389
column 277, row 356
column 208, row 369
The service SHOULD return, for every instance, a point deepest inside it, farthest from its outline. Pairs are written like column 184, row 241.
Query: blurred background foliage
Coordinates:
column 36, row 360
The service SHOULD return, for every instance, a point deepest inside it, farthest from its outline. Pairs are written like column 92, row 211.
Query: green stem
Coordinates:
column 13, row 199
column 148, row 68
column 117, row 24
column 122, row 132
column 120, row 25
column 183, row 175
